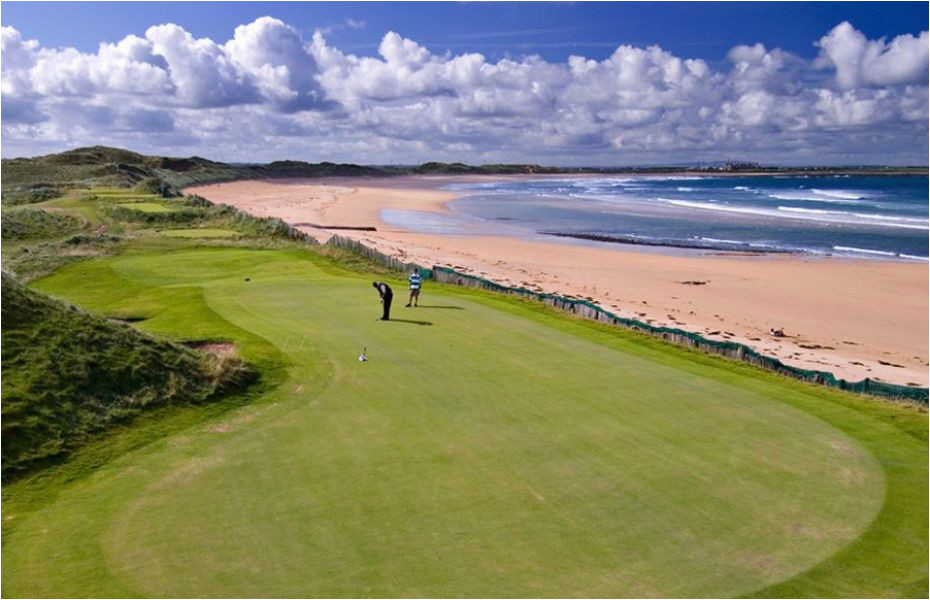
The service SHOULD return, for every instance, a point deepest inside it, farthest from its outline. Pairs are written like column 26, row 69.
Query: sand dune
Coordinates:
column 854, row 318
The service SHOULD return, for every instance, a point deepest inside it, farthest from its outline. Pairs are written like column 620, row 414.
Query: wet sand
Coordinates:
column 854, row 318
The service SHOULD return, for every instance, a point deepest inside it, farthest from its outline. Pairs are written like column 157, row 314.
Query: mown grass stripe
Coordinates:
column 501, row 450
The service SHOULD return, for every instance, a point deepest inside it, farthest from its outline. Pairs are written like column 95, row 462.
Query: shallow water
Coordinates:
column 863, row 216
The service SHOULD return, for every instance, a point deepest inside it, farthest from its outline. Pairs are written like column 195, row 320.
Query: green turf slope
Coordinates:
column 488, row 448
column 68, row 375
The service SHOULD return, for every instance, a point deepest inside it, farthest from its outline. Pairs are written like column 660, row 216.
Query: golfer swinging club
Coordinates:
column 387, row 296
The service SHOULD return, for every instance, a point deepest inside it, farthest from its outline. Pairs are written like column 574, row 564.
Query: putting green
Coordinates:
column 486, row 449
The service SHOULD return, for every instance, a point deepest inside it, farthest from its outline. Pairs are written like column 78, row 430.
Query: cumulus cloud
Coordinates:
column 272, row 54
column 124, row 68
column 862, row 62
column 172, row 93
column 18, row 57
column 202, row 72
column 18, row 54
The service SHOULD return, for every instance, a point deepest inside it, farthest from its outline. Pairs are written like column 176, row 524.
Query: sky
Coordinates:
column 554, row 83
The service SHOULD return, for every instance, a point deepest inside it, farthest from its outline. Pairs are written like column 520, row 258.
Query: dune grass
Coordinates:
column 69, row 376
column 488, row 447
column 35, row 223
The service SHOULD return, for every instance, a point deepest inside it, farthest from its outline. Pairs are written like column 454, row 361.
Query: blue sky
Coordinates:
column 554, row 30
column 775, row 82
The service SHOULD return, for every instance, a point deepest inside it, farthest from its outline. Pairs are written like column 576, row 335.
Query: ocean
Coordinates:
column 853, row 216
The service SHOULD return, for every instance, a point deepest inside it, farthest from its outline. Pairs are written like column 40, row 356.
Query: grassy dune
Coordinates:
column 86, row 223
column 32, row 223
column 27, row 179
column 69, row 375
column 487, row 448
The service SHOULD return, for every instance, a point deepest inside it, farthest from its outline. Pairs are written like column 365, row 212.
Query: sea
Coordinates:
column 879, row 217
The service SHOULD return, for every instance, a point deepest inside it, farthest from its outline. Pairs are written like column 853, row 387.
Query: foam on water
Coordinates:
column 796, row 212
column 717, row 207
column 806, row 214
column 813, row 211
column 807, row 197
column 719, row 241
column 919, row 223
column 864, row 251
column 836, row 216
column 841, row 194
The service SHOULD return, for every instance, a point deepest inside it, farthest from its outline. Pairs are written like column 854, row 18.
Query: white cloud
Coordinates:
column 862, row 62
column 124, row 68
column 308, row 99
column 18, row 54
column 16, row 60
column 756, row 68
column 273, row 55
column 201, row 71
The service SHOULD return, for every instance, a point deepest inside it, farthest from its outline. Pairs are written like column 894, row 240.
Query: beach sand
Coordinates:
column 853, row 318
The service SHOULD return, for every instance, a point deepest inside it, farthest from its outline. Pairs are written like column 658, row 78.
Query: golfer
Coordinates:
column 415, row 283
column 387, row 296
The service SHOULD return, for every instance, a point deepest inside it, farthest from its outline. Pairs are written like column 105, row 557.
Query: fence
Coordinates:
column 377, row 256
column 589, row 310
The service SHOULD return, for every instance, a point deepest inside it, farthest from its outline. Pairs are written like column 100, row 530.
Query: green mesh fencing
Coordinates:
column 589, row 310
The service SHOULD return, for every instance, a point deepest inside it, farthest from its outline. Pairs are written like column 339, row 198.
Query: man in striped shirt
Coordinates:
column 414, row 288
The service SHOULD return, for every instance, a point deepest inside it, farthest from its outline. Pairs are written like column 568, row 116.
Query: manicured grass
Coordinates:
column 200, row 233
column 147, row 207
column 118, row 193
column 487, row 448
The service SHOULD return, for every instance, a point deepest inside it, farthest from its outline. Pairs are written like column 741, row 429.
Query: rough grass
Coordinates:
column 103, row 166
column 107, row 219
column 35, row 223
column 68, row 375
column 151, row 215
column 488, row 447
column 29, row 196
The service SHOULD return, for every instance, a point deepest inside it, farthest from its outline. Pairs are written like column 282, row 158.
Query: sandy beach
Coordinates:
column 854, row 318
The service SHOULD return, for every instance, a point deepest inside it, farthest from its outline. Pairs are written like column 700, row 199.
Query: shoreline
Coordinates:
column 855, row 317
column 631, row 241
column 733, row 249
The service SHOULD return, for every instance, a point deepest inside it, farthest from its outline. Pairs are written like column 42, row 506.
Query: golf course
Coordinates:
column 185, row 414
column 488, row 447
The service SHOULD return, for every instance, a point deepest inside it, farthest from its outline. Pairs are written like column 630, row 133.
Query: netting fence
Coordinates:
column 377, row 256
column 589, row 310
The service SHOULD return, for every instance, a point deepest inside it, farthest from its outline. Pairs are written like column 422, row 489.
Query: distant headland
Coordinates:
column 102, row 165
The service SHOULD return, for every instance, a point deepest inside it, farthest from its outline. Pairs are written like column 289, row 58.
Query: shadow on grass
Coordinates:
column 439, row 306
column 411, row 321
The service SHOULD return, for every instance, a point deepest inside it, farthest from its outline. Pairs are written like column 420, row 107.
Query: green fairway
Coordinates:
column 200, row 233
column 146, row 207
column 487, row 448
